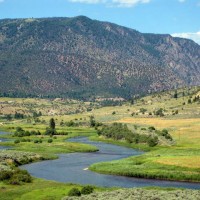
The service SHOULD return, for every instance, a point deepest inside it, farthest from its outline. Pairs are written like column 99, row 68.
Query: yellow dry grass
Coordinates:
column 186, row 132
column 184, row 161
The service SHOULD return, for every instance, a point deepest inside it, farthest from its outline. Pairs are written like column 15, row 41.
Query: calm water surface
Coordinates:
column 71, row 168
column 3, row 140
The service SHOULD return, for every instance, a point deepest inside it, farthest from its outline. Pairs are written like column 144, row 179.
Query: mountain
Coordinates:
column 80, row 58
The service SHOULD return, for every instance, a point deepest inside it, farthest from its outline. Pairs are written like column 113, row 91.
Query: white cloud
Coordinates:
column 111, row 3
column 88, row 1
column 181, row 1
column 129, row 3
column 193, row 36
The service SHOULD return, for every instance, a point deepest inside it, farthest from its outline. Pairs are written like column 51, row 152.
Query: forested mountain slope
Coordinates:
column 80, row 57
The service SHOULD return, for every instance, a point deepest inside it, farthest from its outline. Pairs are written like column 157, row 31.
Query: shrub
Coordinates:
column 151, row 128
column 152, row 141
column 17, row 141
column 87, row 189
column 4, row 175
column 36, row 141
column 74, row 192
column 49, row 140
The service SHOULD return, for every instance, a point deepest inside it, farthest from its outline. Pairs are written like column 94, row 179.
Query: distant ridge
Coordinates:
column 81, row 58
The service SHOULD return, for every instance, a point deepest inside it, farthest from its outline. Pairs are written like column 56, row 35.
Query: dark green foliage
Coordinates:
column 50, row 131
column 175, row 95
column 19, row 115
column 189, row 101
column 35, row 114
column 164, row 133
column 62, row 133
column 87, row 189
column 8, row 117
column 152, row 141
column 49, row 140
column 4, row 175
column 16, row 177
column 20, row 176
column 143, row 110
column 92, row 121
column 17, row 141
column 110, row 103
column 159, row 112
column 152, row 128
column 52, row 123
column 22, row 133
column 119, row 131
column 74, row 192
column 70, row 123
column 116, row 131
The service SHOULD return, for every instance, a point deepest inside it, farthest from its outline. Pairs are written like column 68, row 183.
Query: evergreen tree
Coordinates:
column 52, row 123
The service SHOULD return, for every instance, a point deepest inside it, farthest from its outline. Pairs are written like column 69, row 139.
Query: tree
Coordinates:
column 175, row 95
column 92, row 121
column 52, row 124
column 51, row 129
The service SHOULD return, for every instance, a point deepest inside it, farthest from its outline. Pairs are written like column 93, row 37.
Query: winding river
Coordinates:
column 73, row 168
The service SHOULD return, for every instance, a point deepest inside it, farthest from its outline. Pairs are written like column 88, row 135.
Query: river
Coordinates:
column 72, row 168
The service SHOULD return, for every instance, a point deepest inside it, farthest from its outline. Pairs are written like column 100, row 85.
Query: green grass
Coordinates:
column 38, row 190
column 147, row 166
column 178, row 162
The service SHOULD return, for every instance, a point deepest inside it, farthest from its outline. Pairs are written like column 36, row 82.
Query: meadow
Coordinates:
column 177, row 161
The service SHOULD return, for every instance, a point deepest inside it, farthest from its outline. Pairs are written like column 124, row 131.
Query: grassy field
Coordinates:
column 38, row 190
column 180, row 161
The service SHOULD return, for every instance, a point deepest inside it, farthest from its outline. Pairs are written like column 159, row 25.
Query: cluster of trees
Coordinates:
column 17, row 115
column 20, row 132
column 164, row 133
column 118, row 131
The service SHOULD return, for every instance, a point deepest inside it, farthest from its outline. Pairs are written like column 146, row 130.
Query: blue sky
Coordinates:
column 176, row 17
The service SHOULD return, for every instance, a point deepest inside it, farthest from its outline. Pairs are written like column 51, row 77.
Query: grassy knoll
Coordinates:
column 37, row 190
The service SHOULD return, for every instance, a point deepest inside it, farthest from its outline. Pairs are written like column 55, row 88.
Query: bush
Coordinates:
column 87, row 189
column 74, row 192
column 49, row 140
column 153, row 141
column 16, row 177
column 17, row 141
column 151, row 128
column 4, row 175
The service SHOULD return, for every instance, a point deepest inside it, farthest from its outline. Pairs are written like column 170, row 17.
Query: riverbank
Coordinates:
column 156, row 163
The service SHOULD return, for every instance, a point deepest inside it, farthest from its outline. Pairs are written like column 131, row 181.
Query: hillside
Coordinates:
column 80, row 58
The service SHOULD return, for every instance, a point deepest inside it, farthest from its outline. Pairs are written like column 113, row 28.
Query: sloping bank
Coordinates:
column 152, row 165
